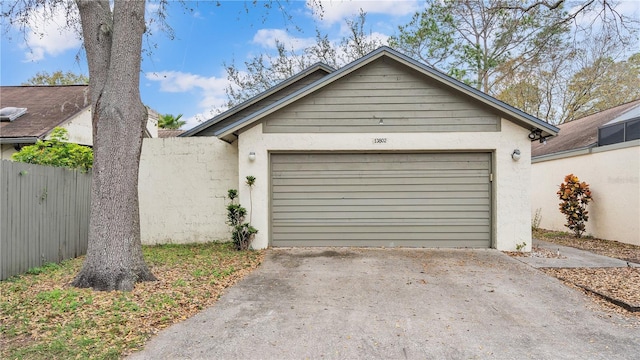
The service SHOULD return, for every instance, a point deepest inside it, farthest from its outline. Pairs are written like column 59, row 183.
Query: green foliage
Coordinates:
column 57, row 78
column 57, row 152
column 521, row 246
column 168, row 121
column 574, row 196
column 241, row 232
column 44, row 268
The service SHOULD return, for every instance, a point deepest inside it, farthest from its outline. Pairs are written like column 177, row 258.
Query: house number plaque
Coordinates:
column 379, row 140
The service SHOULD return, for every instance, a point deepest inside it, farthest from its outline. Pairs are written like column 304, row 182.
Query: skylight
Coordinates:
column 11, row 113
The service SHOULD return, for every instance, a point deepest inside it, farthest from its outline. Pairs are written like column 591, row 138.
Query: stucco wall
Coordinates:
column 183, row 184
column 79, row 128
column 613, row 175
column 6, row 150
column 512, row 208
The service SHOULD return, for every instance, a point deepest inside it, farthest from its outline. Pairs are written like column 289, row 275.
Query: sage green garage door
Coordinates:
column 388, row 199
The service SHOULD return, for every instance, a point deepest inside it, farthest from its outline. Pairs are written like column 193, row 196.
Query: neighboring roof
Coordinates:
column 582, row 133
column 47, row 107
column 262, row 97
column 228, row 131
column 168, row 133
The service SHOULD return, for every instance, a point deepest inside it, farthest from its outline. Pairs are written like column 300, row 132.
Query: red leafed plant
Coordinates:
column 574, row 196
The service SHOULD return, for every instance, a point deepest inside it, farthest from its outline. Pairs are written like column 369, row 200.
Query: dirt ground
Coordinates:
column 617, row 284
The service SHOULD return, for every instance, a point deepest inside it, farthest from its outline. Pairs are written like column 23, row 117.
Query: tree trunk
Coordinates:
column 113, row 42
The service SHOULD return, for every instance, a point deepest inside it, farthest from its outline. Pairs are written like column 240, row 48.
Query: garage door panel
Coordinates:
column 382, row 236
column 355, row 216
column 402, row 222
column 388, row 199
column 382, row 229
column 329, row 174
column 390, row 180
column 327, row 210
column 352, row 167
column 376, row 188
column 434, row 243
column 372, row 195
column 377, row 202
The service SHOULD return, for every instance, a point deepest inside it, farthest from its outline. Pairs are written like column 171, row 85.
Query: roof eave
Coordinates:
column 216, row 119
column 19, row 140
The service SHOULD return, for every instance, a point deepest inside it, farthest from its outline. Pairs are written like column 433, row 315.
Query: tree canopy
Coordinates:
column 535, row 55
column 57, row 78
column 168, row 121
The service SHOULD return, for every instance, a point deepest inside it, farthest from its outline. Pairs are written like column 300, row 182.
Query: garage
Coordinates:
column 383, row 152
column 381, row 199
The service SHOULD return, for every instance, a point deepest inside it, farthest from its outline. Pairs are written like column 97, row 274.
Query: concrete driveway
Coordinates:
column 397, row 304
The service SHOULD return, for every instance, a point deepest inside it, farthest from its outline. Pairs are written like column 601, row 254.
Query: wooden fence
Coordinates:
column 44, row 215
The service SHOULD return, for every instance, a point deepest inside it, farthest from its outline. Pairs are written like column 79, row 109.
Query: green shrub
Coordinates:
column 57, row 152
column 242, row 233
column 574, row 196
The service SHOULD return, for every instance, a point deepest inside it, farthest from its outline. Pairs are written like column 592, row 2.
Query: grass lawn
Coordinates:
column 42, row 316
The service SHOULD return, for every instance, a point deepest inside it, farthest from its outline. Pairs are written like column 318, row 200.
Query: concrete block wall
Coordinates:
column 613, row 175
column 182, row 187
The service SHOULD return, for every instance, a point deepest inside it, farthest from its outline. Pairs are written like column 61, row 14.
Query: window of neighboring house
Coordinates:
column 619, row 132
column 632, row 132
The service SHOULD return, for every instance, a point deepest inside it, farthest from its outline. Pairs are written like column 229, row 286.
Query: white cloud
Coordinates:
column 48, row 33
column 197, row 119
column 209, row 89
column 267, row 39
column 333, row 11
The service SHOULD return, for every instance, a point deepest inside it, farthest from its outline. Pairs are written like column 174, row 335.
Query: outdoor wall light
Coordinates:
column 515, row 155
column 535, row 134
column 252, row 156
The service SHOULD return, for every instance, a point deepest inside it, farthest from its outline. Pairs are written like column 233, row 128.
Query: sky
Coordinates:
column 185, row 74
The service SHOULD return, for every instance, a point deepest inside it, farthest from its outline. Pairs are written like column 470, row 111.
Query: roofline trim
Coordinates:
column 19, row 140
column 384, row 50
column 243, row 105
column 585, row 150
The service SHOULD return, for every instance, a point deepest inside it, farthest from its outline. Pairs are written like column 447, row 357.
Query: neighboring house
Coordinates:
column 169, row 133
column 603, row 150
column 382, row 152
column 34, row 111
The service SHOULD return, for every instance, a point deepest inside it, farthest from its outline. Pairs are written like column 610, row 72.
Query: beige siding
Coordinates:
column 432, row 200
column 402, row 99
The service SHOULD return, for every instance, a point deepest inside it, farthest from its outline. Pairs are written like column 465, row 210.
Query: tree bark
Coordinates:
column 113, row 41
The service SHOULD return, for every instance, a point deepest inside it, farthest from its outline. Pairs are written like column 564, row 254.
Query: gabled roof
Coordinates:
column 581, row 133
column 229, row 131
column 218, row 120
column 47, row 107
